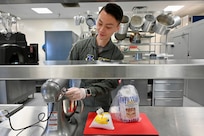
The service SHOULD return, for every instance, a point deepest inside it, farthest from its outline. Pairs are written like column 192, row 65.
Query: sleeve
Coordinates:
column 101, row 86
column 119, row 54
column 74, row 53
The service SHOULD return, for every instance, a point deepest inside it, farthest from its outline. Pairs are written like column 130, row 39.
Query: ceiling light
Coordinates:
column 99, row 8
column 42, row 10
column 173, row 8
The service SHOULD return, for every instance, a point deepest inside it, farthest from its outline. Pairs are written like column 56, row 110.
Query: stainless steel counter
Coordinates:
column 151, row 69
column 169, row 121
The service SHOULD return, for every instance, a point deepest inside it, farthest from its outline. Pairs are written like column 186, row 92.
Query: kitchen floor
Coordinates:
column 37, row 100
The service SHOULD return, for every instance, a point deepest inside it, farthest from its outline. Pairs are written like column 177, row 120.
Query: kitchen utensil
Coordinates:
column 120, row 37
column 53, row 91
column 90, row 21
column 121, row 34
column 177, row 21
column 136, row 22
column 135, row 38
column 63, row 92
column 70, row 107
column 148, row 23
column 163, row 23
column 79, row 19
column 124, row 25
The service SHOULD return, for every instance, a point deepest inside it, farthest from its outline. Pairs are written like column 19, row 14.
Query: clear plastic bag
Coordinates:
column 125, row 105
column 102, row 120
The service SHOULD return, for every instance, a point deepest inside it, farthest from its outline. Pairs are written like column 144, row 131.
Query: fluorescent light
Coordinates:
column 173, row 8
column 42, row 10
column 99, row 8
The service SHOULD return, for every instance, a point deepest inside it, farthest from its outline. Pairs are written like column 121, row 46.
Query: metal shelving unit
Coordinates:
column 144, row 48
column 148, row 69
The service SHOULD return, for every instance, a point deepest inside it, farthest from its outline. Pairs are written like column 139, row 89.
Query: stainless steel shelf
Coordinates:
column 134, row 52
column 125, row 43
column 152, row 69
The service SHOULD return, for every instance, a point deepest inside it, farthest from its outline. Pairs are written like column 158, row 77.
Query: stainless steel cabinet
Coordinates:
column 168, row 92
column 175, row 102
column 16, row 91
column 189, row 45
column 188, row 41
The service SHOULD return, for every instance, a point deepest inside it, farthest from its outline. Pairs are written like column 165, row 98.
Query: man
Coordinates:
column 100, row 47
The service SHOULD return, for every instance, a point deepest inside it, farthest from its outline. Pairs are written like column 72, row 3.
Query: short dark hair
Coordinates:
column 114, row 10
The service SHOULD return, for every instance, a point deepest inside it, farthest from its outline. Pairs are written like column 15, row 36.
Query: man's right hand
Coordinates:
column 75, row 93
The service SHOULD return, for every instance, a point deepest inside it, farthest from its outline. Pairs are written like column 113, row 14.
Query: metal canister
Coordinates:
column 121, row 34
column 148, row 23
column 136, row 22
column 163, row 23
column 177, row 21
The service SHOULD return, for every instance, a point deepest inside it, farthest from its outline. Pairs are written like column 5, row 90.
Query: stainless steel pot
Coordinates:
column 148, row 23
column 90, row 21
column 177, row 21
column 163, row 23
column 124, row 25
column 121, row 34
column 136, row 22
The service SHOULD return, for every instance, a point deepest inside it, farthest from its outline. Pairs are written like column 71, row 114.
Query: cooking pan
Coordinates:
column 124, row 25
column 163, row 24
